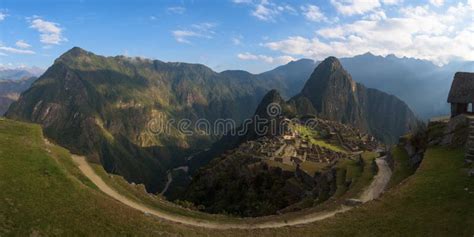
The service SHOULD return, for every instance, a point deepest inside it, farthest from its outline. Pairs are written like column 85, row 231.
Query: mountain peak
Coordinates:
column 75, row 51
column 72, row 54
column 271, row 100
column 368, row 53
column 273, row 95
column 331, row 62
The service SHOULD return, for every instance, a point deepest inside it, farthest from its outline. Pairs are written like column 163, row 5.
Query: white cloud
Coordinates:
column 201, row 30
column 50, row 32
column 437, row 3
column 176, row 10
column 376, row 15
column 242, row 1
column 15, row 50
column 22, row 44
column 183, row 35
column 313, row 13
column 417, row 32
column 237, row 40
column 266, row 10
column 204, row 27
column 3, row 16
column 247, row 56
column 392, row 2
column 352, row 7
column 264, row 58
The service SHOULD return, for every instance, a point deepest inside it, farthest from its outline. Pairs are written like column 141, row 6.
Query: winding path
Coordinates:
column 373, row 191
column 380, row 181
column 170, row 177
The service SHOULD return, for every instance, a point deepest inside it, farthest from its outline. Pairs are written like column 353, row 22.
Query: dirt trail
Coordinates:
column 305, row 219
column 170, row 177
column 380, row 181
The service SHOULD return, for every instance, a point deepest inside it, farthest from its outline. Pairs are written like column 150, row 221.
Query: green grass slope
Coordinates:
column 44, row 194
column 438, row 200
column 402, row 168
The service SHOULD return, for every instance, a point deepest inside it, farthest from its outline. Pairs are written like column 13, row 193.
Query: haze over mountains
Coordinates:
column 13, row 81
column 406, row 78
column 7, row 73
column 10, row 91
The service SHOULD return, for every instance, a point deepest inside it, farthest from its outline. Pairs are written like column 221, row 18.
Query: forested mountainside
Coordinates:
column 106, row 107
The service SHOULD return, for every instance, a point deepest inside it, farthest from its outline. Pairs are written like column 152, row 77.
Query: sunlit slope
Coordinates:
column 42, row 193
column 438, row 200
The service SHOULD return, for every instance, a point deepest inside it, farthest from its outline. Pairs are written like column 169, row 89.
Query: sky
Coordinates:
column 252, row 35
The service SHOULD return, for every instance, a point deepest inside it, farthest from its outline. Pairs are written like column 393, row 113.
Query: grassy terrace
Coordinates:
column 432, row 202
column 359, row 175
column 314, row 138
column 402, row 168
column 43, row 193
column 283, row 166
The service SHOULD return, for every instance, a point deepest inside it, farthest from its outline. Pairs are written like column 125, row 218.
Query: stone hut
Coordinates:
column 461, row 94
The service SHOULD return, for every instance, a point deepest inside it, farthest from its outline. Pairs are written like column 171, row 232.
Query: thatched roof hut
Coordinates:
column 461, row 93
column 462, row 89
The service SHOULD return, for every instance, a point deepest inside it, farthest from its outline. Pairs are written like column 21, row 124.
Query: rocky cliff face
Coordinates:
column 330, row 93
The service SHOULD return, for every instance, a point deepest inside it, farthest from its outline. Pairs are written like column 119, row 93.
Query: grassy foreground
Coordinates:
column 43, row 194
column 438, row 200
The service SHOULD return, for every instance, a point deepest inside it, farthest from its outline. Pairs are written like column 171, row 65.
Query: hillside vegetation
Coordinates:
column 44, row 194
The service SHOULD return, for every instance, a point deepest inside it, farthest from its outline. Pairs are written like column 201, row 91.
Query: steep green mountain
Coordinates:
column 330, row 93
column 239, row 181
column 260, row 172
column 125, row 112
column 10, row 91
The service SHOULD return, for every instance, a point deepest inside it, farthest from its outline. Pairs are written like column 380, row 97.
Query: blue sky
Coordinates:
column 254, row 35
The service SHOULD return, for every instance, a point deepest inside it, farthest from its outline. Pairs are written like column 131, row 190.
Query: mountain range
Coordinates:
column 331, row 94
column 10, row 91
column 7, row 73
column 103, row 107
